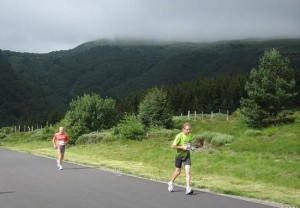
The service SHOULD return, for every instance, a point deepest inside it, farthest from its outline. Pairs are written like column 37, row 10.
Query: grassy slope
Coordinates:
column 265, row 166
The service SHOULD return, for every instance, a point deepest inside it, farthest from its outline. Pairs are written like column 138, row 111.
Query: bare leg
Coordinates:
column 188, row 175
column 60, row 158
column 175, row 174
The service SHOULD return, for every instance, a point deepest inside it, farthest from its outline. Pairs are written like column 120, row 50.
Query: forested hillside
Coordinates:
column 38, row 87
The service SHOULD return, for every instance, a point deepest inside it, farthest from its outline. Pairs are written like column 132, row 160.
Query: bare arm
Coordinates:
column 54, row 141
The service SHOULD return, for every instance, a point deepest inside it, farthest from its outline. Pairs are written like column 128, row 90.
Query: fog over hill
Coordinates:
column 52, row 25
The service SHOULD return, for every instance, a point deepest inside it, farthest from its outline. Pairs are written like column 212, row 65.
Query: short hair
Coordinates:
column 185, row 125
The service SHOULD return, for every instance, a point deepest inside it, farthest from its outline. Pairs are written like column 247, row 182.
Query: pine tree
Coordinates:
column 270, row 91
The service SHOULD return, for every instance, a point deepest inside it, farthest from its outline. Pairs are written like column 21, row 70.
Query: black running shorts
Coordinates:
column 186, row 161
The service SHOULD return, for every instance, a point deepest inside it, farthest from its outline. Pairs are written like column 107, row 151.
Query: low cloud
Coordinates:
column 50, row 25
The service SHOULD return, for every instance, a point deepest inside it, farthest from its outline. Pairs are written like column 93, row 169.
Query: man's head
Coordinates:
column 61, row 129
column 186, row 128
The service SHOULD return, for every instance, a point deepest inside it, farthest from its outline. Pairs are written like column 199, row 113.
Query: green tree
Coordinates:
column 155, row 109
column 270, row 91
column 89, row 113
column 130, row 128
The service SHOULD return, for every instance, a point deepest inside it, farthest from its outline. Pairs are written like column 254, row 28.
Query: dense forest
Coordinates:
column 36, row 88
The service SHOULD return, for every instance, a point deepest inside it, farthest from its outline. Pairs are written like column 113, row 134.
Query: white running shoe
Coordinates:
column 170, row 186
column 60, row 167
column 189, row 191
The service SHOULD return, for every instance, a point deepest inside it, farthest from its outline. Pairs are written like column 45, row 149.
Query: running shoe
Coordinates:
column 189, row 191
column 60, row 167
column 170, row 186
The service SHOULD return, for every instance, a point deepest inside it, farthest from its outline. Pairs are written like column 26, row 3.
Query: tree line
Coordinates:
column 266, row 97
column 37, row 88
column 202, row 95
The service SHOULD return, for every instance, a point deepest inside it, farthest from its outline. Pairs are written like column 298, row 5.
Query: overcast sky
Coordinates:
column 42, row 26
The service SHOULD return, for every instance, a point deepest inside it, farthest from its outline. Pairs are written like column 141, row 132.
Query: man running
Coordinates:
column 182, row 156
column 60, row 139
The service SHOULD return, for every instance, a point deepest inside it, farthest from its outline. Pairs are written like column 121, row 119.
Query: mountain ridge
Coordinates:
column 117, row 70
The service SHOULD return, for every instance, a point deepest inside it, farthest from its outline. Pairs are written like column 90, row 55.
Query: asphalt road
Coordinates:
column 28, row 181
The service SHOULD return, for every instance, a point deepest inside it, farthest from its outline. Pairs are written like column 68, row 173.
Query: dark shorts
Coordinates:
column 186, row 161
column 61, row 149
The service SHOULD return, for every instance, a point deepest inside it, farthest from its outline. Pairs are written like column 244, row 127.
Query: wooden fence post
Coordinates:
column 227, row 115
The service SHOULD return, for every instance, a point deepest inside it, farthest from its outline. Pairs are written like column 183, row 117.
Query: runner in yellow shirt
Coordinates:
column 182, row 156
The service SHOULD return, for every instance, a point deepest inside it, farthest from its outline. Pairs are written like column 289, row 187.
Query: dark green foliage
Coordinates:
column 270, row 90
column 89, row 113
column 36, row 88
column 2, row 135
column 220, row 92
column 42, row 134
column 155, row 109
column 130, row 128
column 7, row 130
column 22, row 102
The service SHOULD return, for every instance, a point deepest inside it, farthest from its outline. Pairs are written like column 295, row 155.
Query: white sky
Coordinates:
column 42, row 26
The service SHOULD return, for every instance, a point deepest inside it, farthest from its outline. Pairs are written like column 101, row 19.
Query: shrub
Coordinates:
column 94, row 137
column 42, row 134
column 155, row 132
column 155, row 109
column 221, row 139
column 7, row 130
column 198, row 140
column 2, row 135
column 211, row 138
column 130, row 128
column 89, row 113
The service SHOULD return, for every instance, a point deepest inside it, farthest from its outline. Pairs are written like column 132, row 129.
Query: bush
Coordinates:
column 155, row 109
column 94, row 137
column 211, row 138
column 221, row 139
column 130, row 128
column 155, row 132
column 2, row 136
column 198, row 140
column 42, row 134
column 89, row 113
column 7, row 130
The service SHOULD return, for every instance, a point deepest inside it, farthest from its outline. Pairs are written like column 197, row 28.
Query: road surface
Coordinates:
column 29, row 181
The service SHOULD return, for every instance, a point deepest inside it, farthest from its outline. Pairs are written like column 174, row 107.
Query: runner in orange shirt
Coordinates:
column 60, row 139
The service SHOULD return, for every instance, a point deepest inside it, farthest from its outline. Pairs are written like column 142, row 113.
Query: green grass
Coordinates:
column 262, row 164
